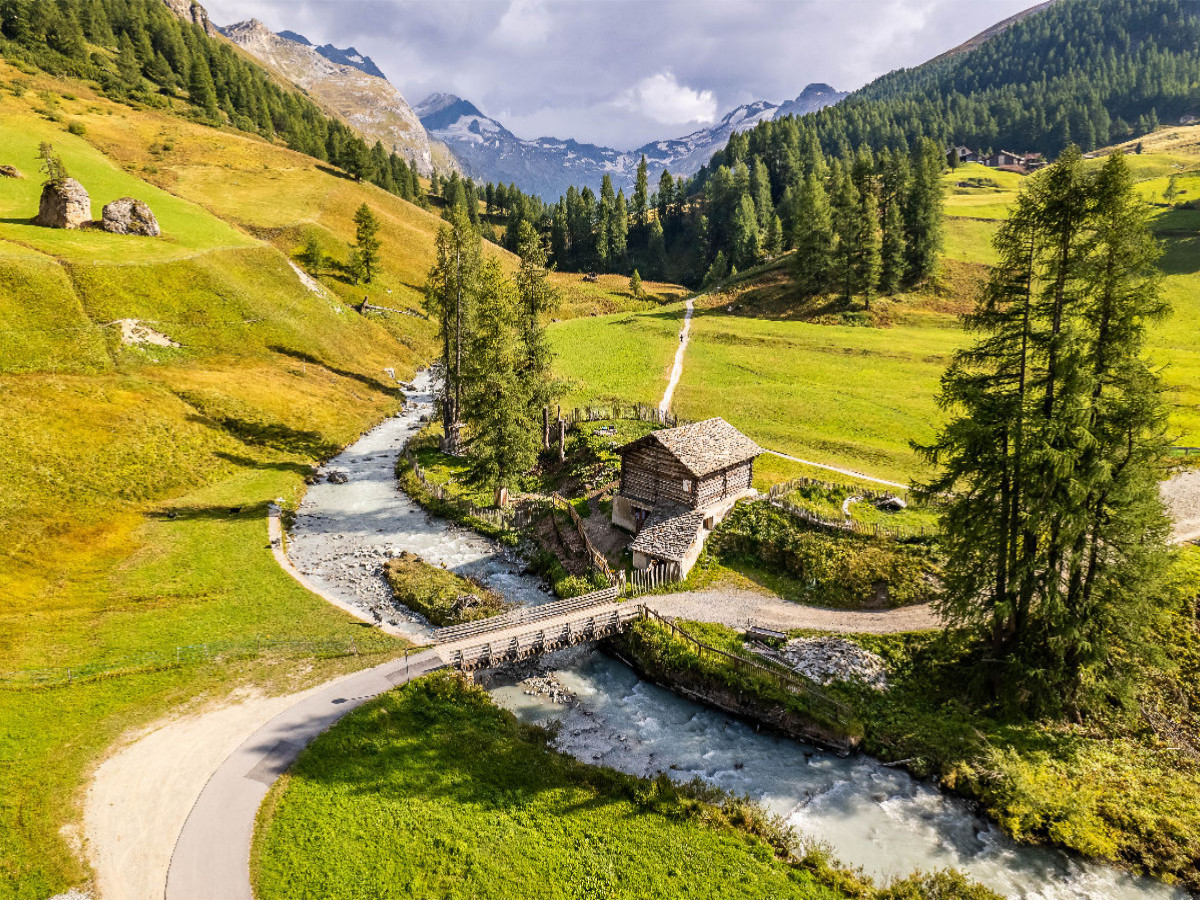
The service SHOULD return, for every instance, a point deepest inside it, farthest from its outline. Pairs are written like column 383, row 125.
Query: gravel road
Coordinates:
column 1182, row 495
column 739, row 608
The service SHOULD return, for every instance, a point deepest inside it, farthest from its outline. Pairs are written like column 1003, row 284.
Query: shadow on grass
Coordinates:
column 336, row 173
column 211, row 513
column 274, row 435
column 374, row 384
column 276, row 466
column 451, row 742
column 1182, row 254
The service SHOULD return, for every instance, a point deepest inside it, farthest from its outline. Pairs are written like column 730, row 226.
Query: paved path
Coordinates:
column 677, row 370
column 740, row 608
column 212, row 855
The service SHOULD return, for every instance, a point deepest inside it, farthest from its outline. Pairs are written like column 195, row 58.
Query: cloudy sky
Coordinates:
column 622, row 73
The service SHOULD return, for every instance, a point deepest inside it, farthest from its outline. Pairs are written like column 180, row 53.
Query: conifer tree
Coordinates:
column 635, row 285
column 847, row 220
column 867, row 251
column 666, row 196
column 128, row 67
column 1055, row 532
column 892, row 250
column 657, row 250
column 745, row 235
column 200, row 87
column 774, row 239
column 924, row 226
column 451, row 298
column 537, row 299
column 504, row 436
column 366, row 241
column 312, row 257
column 813, row 237
column 641, row 194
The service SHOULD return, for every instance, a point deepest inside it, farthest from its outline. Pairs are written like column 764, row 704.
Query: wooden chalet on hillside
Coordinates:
column 677, row 485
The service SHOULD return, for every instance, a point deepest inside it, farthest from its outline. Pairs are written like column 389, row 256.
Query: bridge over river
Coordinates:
column 530, row 632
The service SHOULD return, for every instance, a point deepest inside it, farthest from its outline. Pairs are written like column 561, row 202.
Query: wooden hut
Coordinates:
column 676, row 486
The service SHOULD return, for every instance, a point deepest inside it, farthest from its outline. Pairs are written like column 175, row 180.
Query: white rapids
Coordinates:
column 874, row 817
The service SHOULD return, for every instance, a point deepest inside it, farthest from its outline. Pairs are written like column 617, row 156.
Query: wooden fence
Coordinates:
column 777, row 497
column 652, row 579
column 513, row 517
column 157, row 660
column 595, row 557
column 1184, row 451
column 792, row 682
column 638, row 412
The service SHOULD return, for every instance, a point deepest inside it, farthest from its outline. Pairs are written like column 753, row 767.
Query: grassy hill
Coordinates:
column 854, row 388
column 134, row 479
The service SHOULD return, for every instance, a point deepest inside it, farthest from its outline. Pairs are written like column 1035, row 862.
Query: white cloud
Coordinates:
column 524, row 23
column 662, row 98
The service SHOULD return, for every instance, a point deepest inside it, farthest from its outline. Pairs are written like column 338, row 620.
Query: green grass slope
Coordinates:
column 479, row 807
column 134, row 480
column 806, row 379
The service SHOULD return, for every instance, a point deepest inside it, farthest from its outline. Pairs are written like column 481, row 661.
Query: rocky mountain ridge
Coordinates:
column 368, row 104
column 347, row 57
column 547, row 166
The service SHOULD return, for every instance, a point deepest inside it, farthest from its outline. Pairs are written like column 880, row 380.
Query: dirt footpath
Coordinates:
column 740, row 608
column 141, row 795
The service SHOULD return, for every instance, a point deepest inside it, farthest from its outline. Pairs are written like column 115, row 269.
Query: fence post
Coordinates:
column 68, row 675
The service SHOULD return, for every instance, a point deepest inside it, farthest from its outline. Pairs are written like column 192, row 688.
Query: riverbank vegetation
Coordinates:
column 1122, row 786
column 484, row 807
column 442, row 597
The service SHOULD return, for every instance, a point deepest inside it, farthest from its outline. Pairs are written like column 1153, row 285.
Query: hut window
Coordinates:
column 687, row 484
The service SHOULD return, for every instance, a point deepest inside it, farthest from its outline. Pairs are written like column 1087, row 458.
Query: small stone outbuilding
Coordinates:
column 676, row 487
column 64, row 205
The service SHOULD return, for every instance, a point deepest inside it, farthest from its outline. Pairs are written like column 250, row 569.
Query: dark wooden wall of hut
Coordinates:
column 652, row 474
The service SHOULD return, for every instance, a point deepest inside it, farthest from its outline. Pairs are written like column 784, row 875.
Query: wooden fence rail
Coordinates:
column 598, row 560
column 524, row 615
column 153, row 660
column 514, row 517
column 787, row 487
column 653, row 579
column 793, row 682
column 889, row 531
column 638, row 412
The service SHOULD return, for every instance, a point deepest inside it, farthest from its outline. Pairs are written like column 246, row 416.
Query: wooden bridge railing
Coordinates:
column 525, row 615
column 538, row 641
column 836, row 711
column 514, row 517
column 595, row 557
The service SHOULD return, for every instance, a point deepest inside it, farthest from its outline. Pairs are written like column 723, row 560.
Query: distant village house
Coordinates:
column 676, row 487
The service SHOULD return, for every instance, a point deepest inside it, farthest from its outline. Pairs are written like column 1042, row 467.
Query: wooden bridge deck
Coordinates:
column 534, row 631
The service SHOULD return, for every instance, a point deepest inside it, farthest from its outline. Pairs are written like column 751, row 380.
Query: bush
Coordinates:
column 77, row 128
column 844, row 570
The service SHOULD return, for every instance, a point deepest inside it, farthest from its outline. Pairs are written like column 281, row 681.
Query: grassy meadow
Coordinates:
column 854, row 388
column 432, row 791
column 134, row 480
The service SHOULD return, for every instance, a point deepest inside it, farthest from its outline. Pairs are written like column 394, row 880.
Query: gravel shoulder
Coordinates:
column 740, row 608
column 1182, row 496
column 142, row 793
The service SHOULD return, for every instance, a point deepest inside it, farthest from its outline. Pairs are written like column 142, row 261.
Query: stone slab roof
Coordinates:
column 669, row 535
column 702, row 447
